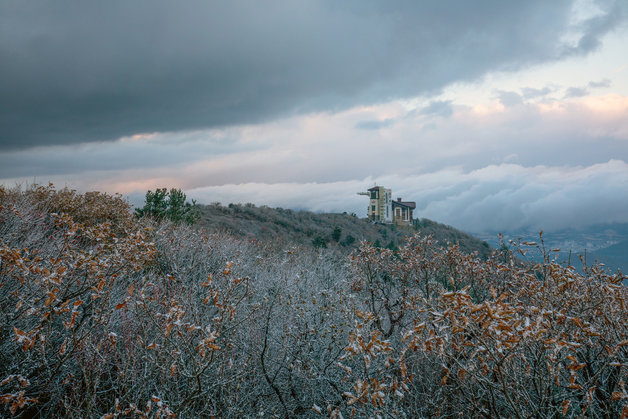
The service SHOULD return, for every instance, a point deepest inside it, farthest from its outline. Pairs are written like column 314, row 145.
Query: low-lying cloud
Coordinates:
column 503, row 197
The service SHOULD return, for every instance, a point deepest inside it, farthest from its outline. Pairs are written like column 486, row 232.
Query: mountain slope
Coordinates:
column 603, row 243
column 614, row 257
column 285, row 226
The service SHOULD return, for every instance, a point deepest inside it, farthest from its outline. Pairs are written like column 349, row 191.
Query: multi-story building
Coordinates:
column 384, row 210
column 380, row 204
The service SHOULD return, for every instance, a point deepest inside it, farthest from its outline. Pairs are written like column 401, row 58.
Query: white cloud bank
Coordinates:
column 501, row 197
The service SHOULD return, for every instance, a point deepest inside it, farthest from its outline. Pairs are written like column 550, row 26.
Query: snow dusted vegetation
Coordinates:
column 108, row 315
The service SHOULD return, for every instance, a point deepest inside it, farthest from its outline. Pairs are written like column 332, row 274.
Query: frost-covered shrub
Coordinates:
column 106, row 315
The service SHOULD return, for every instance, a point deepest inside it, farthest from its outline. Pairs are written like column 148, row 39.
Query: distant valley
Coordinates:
column 603, row 243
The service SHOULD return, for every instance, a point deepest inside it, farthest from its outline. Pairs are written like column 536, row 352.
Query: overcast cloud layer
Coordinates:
column 77, row 71
column 491, row 115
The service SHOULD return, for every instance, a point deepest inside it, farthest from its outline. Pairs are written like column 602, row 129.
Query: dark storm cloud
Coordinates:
column 79, row 71
column 176, row 150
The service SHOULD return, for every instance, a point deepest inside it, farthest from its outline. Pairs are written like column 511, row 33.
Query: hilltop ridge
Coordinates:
column 302, row 227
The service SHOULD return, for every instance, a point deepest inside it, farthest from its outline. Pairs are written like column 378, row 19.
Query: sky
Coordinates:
column 490, row 115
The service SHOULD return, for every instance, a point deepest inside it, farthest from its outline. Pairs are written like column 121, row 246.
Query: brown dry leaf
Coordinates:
column 208, row 282
column 565, row 406
column 444, row 380
column 618, row 395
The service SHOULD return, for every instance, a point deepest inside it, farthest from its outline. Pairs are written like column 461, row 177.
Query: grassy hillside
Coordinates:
column 287, row 226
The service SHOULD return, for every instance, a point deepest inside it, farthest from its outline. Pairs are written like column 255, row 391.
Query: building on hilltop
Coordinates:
column 403, row 212
column 384, row 210
column 380, row 204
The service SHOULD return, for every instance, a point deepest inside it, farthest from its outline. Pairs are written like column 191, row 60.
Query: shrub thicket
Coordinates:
column 106, row 315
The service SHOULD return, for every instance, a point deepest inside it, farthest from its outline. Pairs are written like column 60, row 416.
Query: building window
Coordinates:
column 373, row 208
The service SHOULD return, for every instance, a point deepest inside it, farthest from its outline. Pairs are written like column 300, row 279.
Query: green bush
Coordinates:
column 319, row 242
column 336, row 234
column 171, row 205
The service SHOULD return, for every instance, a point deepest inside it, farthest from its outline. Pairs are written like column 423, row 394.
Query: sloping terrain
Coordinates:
column 602, row 243
column 286, row 226
column 614, row 256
